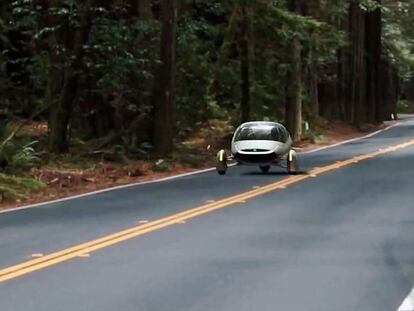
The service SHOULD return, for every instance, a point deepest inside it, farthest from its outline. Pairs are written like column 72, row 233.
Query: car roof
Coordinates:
column 262, row 123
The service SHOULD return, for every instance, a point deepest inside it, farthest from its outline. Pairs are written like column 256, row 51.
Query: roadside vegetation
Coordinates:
column 96, row 92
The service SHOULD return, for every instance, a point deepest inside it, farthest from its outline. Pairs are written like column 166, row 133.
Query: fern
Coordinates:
column 14, row 154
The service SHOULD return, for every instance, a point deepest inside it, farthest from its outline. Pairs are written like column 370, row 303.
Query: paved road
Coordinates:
column 341, row 241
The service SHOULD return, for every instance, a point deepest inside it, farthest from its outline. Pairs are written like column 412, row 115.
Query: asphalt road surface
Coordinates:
column 340, row 238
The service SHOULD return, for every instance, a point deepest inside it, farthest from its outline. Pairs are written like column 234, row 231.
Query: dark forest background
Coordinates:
column 138, row 76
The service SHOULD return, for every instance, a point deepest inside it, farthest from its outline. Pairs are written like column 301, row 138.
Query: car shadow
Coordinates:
column 274, row 173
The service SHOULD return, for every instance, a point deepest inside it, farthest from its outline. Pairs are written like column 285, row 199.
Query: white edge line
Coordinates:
column 353, row 139
column 408, row 303
column 87, row 194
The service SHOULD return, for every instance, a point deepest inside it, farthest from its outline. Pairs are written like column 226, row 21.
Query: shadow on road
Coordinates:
column 274, row 173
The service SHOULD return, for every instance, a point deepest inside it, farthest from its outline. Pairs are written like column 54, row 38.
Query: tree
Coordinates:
column 144, row 9
column 312, row 9
column 373, row 52
column 129, row 73
column 293, row 114
column 245, row 62
column 164, row 88
column 352, row 72
column 62, row 109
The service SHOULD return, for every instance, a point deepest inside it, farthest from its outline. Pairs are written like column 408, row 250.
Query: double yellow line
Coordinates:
column 118, row 237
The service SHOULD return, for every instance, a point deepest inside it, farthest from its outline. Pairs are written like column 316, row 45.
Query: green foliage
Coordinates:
column 194, row 69
column 405, row 106
column 15, row 155
column 206, row 86
column 399, row 35
column 121, row 57
column 120, row 63
column 17, row 188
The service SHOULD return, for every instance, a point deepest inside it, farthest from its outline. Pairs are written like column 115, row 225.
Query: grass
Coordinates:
column 18, row 188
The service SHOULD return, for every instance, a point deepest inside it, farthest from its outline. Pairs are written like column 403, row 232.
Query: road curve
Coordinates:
column 339, row 240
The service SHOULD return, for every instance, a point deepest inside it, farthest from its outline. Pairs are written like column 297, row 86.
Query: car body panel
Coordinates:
column 272, row 145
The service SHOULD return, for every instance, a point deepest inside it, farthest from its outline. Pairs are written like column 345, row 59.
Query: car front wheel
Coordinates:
column 265, row 169
column 221, row 164
column 292, row 162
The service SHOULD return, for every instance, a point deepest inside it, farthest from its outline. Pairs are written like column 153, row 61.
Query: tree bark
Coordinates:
column 373, row 54
column 359, row 68
column 410, row 90
column 163, row 94
column 389, row 89
column 293, row 112
column 313, row 84
column 61, row 114
column 245, row 66
column 145, row 9
column 294, row 92
column 312, row 9
column 3, row 14
column 330, row 105
column 352, row 67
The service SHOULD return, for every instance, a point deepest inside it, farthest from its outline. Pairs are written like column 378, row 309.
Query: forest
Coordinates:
column 121, row 80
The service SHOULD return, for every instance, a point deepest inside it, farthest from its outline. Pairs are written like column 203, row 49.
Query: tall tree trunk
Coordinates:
column 352, row 68
column 312, row 8
column 61, row 114
column 245, row 66
column 294, row 92
column 359, row 67
column 373, row 54
column 394, row 95
column 330, row 106
column 145, row 9
column 342, row 97
column 410, row 90
column 3, row 14
column 56, row 61
column 3, row 44
column 388, row 90
column 293, row 113
column 313, row 85
column 163, row 95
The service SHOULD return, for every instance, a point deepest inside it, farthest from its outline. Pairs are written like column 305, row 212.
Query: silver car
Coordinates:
column 261, row 144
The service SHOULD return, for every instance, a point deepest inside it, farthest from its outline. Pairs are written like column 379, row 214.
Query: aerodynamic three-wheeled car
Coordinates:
column 262, row 144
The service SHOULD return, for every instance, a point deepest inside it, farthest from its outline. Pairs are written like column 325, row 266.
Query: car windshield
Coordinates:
column 261, row 133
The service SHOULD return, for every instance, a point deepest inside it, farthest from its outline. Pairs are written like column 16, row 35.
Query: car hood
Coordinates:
column 264, row 146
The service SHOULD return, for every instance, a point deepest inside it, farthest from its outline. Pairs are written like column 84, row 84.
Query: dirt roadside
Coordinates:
column 61, row 183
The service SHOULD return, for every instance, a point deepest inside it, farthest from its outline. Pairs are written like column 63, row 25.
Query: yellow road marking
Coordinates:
column 121, row 236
